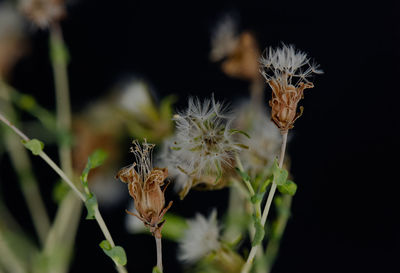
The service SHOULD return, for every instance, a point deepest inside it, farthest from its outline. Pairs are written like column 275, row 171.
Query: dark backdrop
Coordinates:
column 343, row 149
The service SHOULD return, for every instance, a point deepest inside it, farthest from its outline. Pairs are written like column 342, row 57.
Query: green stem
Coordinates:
column 69, row 212
column 281, row 222
column 29, row 186
column 59, row 64
column 249, row 262
column 51, row 163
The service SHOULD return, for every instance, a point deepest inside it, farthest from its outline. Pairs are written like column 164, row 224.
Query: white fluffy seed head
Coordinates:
column 287, row 64
column 201, row 238
column 203, row 144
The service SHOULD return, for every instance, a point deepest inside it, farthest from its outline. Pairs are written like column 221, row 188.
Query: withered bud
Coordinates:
column 146, row 185
column 286, row 72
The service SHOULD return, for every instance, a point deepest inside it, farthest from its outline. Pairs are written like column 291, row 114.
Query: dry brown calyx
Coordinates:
column 284, row 103
column 147, row 187
column 287, row 72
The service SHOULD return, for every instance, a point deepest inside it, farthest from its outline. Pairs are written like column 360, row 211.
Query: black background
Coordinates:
column 343, row 149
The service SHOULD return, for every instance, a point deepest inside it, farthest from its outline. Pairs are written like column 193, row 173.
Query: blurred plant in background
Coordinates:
column 204, row 147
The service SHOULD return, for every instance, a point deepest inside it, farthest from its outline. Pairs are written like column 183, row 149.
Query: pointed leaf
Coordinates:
column 289, row 187
column 117, row 253
column 97, row 158
column 280, row 175
column 234, row 131
column 34, row 145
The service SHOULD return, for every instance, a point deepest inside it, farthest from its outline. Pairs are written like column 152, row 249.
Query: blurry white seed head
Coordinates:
column 224, row 38
column 201, row 238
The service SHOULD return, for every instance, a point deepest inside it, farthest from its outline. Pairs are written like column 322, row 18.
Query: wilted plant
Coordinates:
column 210, row 148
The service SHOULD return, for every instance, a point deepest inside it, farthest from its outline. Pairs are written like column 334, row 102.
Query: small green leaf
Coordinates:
column 256, row 198
column 105, row 245
column 156, row 270
column 34, row 145
column 289, row 187
column 117, row 253
column 91, row 205
column 280, row 175
column 234, row 131
column 260, row 232
column 97, row 158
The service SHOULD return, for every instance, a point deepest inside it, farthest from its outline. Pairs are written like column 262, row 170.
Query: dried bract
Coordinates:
column 145, row 185
column 287, row 70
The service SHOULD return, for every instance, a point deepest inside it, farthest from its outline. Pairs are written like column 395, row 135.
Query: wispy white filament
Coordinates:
column 287, row 65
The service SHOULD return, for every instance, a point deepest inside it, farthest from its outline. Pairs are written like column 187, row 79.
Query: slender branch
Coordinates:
column 54, row 166
column 51, row 163
column 281, row 222
column 159, row 254
column 246, row 268
column 15, row 129
column 59, row 64
column 22, row 165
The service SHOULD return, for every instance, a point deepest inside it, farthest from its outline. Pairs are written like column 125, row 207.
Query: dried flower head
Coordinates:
column 287, row 70
column 202, row 149
column 44, row 12
column 145, row 186
column 201, row 238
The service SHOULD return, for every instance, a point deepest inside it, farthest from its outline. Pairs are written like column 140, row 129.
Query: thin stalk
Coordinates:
column 255, row 207
column 159, row 254
column 59, row 64
column 29, row 186
column 69, row 206
column 249, row 262
column 51, row 163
